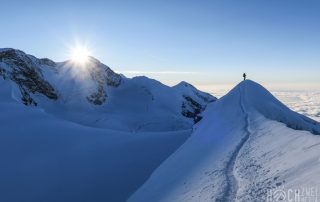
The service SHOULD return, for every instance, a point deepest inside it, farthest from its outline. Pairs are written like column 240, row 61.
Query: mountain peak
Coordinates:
column 90, row 60
column 259, row 99
column 94, row 89
column 185, row 84
column 250, row 84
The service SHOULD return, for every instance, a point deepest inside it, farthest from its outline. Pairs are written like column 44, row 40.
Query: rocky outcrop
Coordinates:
column 25, row 72
column 194, row 101
column 103, row 77
column 192, row 109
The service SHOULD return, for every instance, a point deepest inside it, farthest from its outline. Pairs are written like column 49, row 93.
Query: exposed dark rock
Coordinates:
column 192, row 109
column 3, row 73
column 103, row 76
column 48, row 62
column 24, row 72
column 99, row 97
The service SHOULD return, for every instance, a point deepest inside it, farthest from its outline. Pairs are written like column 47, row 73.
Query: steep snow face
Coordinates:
column 87, row 81
column 260, row 100
column 227, row 156
column 92, row 94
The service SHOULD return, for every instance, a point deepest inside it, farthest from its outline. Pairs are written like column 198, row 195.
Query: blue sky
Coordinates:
column 207, row 43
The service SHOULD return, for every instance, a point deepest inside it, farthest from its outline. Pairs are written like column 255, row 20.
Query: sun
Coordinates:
column 80, row 54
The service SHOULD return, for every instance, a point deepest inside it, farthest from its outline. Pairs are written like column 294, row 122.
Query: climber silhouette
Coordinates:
column 244, row 76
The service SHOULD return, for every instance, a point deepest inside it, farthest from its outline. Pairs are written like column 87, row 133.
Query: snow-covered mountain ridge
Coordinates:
column 248, row 146
column 94, row 95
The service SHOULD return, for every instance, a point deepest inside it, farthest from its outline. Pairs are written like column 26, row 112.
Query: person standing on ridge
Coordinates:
column 244, row 76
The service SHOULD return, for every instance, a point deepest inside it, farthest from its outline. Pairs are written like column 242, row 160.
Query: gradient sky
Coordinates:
column 207, row 43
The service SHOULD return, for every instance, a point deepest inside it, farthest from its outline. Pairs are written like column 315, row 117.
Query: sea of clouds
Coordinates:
column 303, row 102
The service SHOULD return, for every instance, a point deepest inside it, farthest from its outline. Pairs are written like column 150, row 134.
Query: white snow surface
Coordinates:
column 132, row 105
column 246, row 146
column 44, row 158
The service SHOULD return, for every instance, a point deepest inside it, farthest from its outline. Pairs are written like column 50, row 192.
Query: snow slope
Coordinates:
column 44, row 158
column 246, row 145
column 92, row 94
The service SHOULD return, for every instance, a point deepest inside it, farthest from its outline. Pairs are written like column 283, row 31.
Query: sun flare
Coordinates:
column 80, row 54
